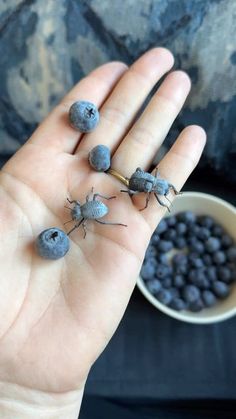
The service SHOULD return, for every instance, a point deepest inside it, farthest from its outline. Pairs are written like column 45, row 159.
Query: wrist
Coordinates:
column 24, row 403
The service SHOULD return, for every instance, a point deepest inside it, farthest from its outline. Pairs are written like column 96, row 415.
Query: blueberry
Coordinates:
column 178, row 304
column 200, row 272
column 169, row 234
column 162, row 271
column 193, row 230
column 181, row 269
column 154, row 286
column 206, row 284
column 196, row 306
column 192, row 256
column 174, row 292
column 178, row 281
column 162, row 226
column 206, row 221
column 190, row 293
column 180, row 243
column 231, row 254
column 212, row 244
column 207, row 259
column 166, row 282
column 181, row 228
column 162, row 258
column 217, row 230
column 219, row 257
column 100, row 158
column 225, row 274
column 197, row 263
column 211, row 273
column 198, row 278
column 155, row 239
column 209, row 298
column 179, row 259
column 187, row 217
column 203, row 233
column 84, row 116
column 196, row 246
column 191, row 240
column 164, row 246
column 220, row 289
column 192, row 275
column 150, row 252
column 164, row 296
column 52, row 243
column 152, row 261
column 171, row 221
column 226, row 241
column 148, row 270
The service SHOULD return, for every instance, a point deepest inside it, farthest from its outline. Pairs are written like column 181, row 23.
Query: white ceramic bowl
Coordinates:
column 225, row 214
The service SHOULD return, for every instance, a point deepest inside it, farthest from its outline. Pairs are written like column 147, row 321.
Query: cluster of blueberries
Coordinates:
column 190, row 262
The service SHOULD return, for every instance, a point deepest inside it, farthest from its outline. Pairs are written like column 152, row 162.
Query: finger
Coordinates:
column 141, row 144
column 176, row 167
column 121, row 107
column 55, row 130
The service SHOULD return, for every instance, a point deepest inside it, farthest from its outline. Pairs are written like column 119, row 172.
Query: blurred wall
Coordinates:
column 46, row 46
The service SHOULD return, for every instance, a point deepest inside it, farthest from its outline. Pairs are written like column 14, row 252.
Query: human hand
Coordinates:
column 58, row 316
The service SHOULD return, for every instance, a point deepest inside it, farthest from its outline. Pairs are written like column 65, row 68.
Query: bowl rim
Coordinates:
column 181, row 315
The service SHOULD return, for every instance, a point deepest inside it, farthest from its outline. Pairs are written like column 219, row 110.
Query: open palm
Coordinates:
column 57, row 316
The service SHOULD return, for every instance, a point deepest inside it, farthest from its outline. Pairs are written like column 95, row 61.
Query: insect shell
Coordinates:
column 145, row 182
column 89, row 210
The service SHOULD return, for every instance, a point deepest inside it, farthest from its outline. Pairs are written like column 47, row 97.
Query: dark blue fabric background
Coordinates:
column 110, row 408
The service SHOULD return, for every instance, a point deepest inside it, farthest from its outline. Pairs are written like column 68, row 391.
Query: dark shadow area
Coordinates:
column 111, row 408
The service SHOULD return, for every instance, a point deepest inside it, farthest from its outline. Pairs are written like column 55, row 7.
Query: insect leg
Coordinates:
column 130, row 192
column 112, row 224
column 76, row 226
column 160, row 202
column 175, row 190
column 168, row 199
column 102, row 196
column 84, row 228
column 147, row 200
column 72, row 202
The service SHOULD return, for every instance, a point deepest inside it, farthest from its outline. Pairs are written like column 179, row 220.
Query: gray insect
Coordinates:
column 141, row 181
column 90, row 210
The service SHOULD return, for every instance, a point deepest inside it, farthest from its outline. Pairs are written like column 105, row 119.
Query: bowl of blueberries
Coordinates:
column 189, row 269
